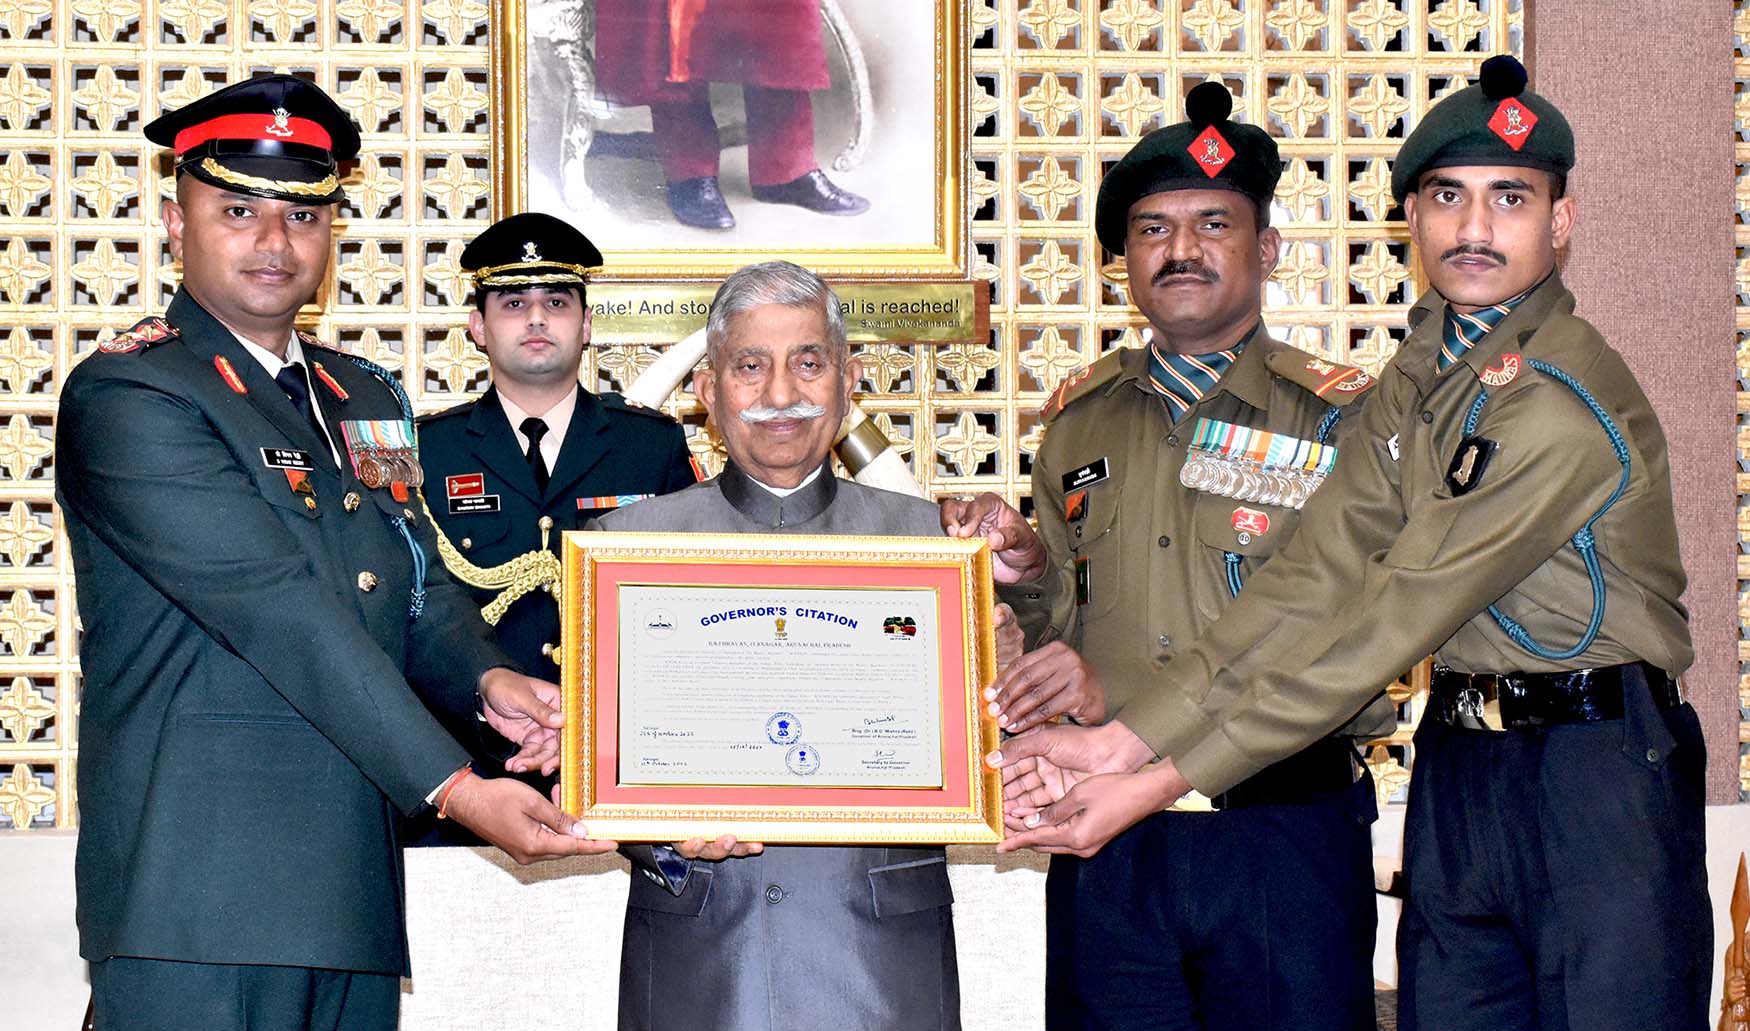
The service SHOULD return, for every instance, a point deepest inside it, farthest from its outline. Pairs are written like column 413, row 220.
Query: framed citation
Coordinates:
column 778, row 688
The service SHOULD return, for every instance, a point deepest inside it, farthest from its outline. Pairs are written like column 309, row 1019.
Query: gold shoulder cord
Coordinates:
column 530, row 571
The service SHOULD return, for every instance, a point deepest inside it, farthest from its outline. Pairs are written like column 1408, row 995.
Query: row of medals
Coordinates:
column 1246, row 480
column 394, row 466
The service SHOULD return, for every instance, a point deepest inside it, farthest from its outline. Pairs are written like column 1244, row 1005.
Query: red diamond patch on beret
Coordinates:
column 1211, row 152
column 1513, row 122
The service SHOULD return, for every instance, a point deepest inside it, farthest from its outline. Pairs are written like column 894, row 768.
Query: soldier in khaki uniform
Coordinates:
column 1505, row 502
column 1167, row 476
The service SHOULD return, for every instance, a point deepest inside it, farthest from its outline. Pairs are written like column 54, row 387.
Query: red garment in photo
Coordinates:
column 648, row 51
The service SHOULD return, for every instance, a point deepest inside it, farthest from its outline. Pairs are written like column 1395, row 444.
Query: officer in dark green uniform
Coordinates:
column 263, row 618
column 1167, row 477
column 536, row 446
column 1504, row 501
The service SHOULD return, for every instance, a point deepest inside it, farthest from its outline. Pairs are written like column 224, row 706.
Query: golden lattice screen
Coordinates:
column 1061, row 89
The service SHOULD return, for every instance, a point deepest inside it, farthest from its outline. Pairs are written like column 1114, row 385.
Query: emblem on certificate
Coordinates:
column 781, row 689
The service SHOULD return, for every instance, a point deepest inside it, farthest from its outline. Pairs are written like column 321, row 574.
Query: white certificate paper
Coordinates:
column 787, row 686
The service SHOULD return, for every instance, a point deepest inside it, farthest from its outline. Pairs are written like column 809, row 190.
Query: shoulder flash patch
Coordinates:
column 621, row 403
column 1081, row 383
column 1335, row 384
column 142, row 335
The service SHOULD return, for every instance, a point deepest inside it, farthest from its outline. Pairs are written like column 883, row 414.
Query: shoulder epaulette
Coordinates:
column 1337, row 385
column 1081, row 383
column 446, row 413
column 144, row 334
column 311, row 340
column 621, row 403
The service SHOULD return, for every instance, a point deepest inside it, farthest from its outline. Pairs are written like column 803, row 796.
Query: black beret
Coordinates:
column 1495, row 122
column 1208, row 151
column 275, row 136
column 530, row 249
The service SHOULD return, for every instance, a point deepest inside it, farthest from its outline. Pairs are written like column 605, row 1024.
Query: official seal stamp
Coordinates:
column 784, row 728
column 802, row 760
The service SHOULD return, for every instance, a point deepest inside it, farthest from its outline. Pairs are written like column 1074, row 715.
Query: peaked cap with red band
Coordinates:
column 276, row 136
column 1495, row 122
column 1208, row 151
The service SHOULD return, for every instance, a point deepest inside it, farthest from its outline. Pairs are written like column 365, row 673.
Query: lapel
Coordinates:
column 580, row 452
column 495, row 446
column 208, row 337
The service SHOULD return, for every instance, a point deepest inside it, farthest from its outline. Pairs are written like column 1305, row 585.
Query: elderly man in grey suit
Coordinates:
column 726, row 934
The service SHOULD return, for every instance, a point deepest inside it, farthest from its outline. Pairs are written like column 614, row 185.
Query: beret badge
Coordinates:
column 1503, row 80
column 1205, row 105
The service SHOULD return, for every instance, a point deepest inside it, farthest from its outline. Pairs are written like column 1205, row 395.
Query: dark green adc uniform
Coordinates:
column 482, row 480
column 1507, row 508
column 1164, row 482
column 261, row 628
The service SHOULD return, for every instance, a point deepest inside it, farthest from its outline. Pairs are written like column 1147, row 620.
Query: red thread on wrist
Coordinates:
column 444, row 796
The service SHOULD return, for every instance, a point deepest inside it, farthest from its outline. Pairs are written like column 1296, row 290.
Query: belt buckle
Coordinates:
column 1474, row 707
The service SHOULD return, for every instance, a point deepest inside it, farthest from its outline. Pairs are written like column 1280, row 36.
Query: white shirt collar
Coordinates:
column 557, row 418
column 784, row 492
column 273, row 364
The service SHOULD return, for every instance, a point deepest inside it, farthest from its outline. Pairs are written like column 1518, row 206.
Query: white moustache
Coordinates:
column 801, row 410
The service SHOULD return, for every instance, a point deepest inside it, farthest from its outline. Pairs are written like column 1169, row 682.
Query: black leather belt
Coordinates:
column 1516, row 701
column 1324, row 768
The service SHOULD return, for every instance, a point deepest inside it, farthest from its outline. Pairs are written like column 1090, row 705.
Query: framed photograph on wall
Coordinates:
column 690, row 137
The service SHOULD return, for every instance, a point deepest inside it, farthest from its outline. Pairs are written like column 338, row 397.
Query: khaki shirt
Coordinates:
column 1391, row 563
column 1155, row 572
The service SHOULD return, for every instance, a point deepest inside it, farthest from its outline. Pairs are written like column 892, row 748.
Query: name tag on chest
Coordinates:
column 286, row 458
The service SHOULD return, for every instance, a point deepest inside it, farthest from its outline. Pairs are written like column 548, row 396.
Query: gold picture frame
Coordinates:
column 916, row 179
column 963, row 807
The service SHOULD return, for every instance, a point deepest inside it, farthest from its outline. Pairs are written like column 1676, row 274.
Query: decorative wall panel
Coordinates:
column 1061, row 89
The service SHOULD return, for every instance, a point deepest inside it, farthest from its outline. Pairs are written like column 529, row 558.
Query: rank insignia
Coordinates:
column 1504, row 373
column 1054, row 403
column 1468, row 464
column 144, row 333
column 1513, row 122
column 229, row 374
column 1337, row 377
column 1075, row 507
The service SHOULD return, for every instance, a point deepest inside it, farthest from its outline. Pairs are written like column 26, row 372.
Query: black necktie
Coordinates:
column 291, row 380
column 535, row 429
